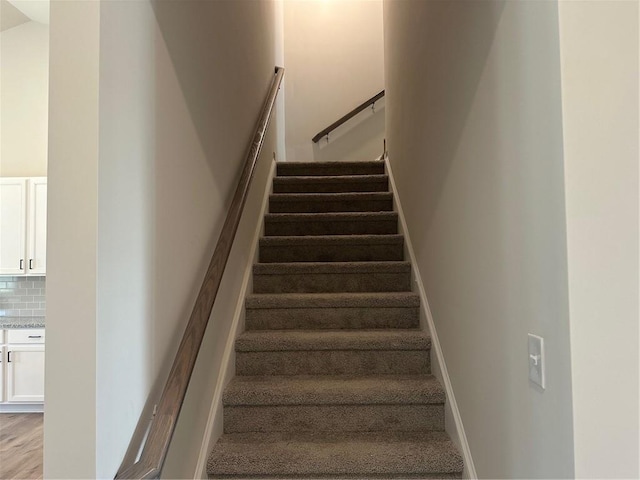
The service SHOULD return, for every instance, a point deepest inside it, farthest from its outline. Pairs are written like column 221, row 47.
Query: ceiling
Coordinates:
column 17, row 12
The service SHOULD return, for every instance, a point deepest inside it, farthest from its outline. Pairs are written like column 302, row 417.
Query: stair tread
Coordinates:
column 331, row 216
column 331, row 248
column 330, row 163
column 332, row 300
column 333, row 390
column 326, row 454
column 310, row 268
column 366, row 239
column 334, row 167
column 323, row 197
column 344, row 201
column 331, row 178
column 313, row 340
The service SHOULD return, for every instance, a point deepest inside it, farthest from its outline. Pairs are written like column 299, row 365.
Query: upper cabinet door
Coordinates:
column 13, row 210
column 37, row 232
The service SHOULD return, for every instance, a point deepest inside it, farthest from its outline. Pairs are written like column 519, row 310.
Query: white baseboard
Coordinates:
column 213, row 430
column 21, row 408
column 455, row 431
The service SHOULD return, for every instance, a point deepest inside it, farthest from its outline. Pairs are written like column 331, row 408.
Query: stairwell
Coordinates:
column 333, row 375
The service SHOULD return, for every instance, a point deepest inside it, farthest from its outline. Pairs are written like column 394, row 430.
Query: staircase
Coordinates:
column 333, row 377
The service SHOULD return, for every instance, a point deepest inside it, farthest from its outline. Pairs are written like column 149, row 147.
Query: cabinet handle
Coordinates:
column 31, row 264
column 9, row 357
column 35, row 336
column 21, row 263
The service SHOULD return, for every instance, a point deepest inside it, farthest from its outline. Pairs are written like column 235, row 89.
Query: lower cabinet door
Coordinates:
column 2, row 360
column 25, row 373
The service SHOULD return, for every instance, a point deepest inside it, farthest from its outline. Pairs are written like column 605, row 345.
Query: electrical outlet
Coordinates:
column 536, row 360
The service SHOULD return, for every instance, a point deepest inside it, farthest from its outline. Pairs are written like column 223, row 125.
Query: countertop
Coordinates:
column 21, row 322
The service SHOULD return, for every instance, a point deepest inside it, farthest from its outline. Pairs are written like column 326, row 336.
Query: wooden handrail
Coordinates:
column 163, row 422
column 347, row 117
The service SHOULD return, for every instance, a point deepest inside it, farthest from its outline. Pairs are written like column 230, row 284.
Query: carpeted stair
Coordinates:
column 333, row 376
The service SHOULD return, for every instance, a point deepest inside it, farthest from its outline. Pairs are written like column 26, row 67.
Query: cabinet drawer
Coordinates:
column 28, row 335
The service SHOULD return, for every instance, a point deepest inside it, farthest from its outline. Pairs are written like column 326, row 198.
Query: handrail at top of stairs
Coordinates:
column 348, row 116
column 162, row 424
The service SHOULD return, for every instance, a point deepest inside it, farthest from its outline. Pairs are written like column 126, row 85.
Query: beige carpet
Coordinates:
column 333, row 373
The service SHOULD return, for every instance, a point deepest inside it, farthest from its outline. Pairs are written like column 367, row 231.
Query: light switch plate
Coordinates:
column 536, row 360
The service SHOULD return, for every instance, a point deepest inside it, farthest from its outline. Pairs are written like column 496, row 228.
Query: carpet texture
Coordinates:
column 331, row 184
column 331, row 202
column 333, row 375
column 332, row 248
column 319, row 277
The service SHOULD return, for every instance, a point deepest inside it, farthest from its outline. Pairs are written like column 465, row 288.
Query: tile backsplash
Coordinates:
column 22, row 296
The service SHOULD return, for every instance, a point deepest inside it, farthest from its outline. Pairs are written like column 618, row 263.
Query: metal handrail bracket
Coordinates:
column 371, row 102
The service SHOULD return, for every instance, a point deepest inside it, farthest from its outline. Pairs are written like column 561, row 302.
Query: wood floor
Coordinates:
column 20, row 445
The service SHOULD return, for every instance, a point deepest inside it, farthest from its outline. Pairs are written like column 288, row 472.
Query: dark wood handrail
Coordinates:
column 163, row 422
column 347, row 117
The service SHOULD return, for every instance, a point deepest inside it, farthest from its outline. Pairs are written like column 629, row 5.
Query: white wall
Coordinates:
column 128, row 347
column 334, row 61
column 224, row 89
column 174, row 106
column 72, row 236
column 24, row 92
column 599, row 51
column 281, row 146
column 474, row 128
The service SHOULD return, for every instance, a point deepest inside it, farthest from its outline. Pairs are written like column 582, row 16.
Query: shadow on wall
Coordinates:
column 207, row 87
column 358, row 139
column 210, row 77
column 475, row 139
column 206, row 100
column 455, row 43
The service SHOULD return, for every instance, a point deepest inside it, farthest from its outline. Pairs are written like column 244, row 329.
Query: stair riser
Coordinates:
column 333, row 362
column 311, row 460
column 331, row 253
column 333, row 418
column 331, row 318
column 383, row 205
column 343, row 168
column 329, row 187
column 343, row 476
column 399, row 476
column 332, row 282
column 330, row 227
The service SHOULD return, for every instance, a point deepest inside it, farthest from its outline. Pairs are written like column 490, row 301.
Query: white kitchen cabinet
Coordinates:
column 13, row 225
column 25, row 373
column 22, row 368
column 2, row 362
column 37, row 227
column 25, row 335
column 23, row 226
